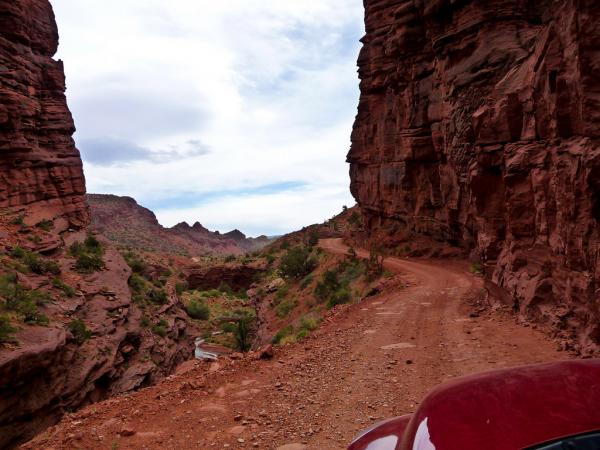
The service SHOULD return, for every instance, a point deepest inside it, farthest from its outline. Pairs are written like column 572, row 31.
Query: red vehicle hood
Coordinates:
column 508, row 409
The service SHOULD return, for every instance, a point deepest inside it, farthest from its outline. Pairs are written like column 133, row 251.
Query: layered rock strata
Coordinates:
column 479, row 125
column 40, row 169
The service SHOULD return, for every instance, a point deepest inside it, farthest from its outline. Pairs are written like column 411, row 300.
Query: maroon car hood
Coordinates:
column 508, row 409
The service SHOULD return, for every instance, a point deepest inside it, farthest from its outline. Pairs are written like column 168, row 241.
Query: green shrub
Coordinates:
column 198, row 310
column 160, row 329
column 137, row 283
column 45, row 225
column 339, row 297
column 328, row 285
column 297, row 263
column 79, row 331
column 285, row 307
column 6, row 330
column 19, row 220
column 136, row 264
column 281, row 334
column 69, row 291
column 181, row 287
column 23, row 301
column 158, row 296
column 270, row 259
column 88, row 255
column 302, row 334
column 309, row 323
column 213, row 293
column 313, row 239
column 476, row 269
column 35, row 263
column 306, row 282
column 282, row 292
column 145, row 322
column 225, row 289
column 243, row 331
column 230, row 258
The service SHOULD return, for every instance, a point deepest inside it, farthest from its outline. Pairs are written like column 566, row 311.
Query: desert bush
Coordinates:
column 309, row 323
column 6, row 330
column 23, row 301
column 137, row 283
column 181, row 287
column 198, row 310
column 158, row 296
column 88, row 255
column 297, row 263
column 69, row 291
column 306, row 282
column 355, row 219
column 136, row 264
column 281, row 334
column 35, row 263
column 244, row 328
column 45, row 225
column 313, row 239
column 79, row 331
column 302, row 334
column 230, row 258
column 19, row 220
column 339, row 297
column 476, row 269
column 285, row 307
column 160, row 329
column 328, row 285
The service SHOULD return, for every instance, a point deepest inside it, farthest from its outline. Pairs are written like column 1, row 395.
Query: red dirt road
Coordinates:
column 373, row 360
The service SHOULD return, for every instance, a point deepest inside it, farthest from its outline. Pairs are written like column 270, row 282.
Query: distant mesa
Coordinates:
column 128, row 224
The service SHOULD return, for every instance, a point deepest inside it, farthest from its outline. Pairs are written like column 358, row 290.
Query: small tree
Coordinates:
column 297, row 263
column 6, row 330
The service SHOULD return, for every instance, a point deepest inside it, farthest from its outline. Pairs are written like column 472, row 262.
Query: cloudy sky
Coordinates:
column 235, row 113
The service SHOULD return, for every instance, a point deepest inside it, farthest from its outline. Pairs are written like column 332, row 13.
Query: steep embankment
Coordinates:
column 479, row 126
column 130, row 225
column 369, row 361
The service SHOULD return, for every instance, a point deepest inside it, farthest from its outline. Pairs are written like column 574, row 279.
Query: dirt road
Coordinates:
column 374, row 360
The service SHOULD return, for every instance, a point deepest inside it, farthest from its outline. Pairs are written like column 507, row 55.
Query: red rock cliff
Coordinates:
column 479, row 124
column 40, row 168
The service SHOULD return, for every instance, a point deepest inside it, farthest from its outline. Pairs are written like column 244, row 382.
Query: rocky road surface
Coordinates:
column 367, row 362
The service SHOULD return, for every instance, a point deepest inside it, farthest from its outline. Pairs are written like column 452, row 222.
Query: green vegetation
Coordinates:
column 79, row 331
column 137, row 265
column 334, row 287
column 69, row 291
column 88, row 255
column 198, row 309
column 19, row 220
column 230, row 258
column 290, row 334
column 25, row 302
column 35, row 263
column 160, row 329
column 297, row 262
column 181, row 287
column 306, row 281
column 476, row 269
column 45, row 225
column 355, row 219
column 284, row 308
column 243, row 331
column 157, row 296
column 313, row 239
column 6, row 330
column 282, row 334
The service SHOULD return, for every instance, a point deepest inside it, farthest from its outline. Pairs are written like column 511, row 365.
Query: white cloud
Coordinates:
column 269, row 87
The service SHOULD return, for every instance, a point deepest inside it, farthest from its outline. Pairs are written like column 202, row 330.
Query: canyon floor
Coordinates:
column 368, row 361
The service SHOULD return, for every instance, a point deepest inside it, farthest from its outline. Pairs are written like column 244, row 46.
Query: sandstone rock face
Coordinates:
column 479, row 125
column 40, row 169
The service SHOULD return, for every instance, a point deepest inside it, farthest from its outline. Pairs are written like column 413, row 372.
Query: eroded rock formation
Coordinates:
column 479, row 125
column 40, row 168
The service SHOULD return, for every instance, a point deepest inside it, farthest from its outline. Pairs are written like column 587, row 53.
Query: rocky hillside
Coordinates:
column 130, row 225
column 479, row 126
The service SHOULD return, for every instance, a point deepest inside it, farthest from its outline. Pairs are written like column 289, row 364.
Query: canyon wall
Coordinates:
column 40, row 168
column 479, row 126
